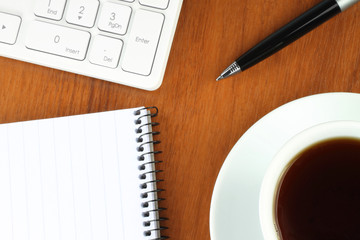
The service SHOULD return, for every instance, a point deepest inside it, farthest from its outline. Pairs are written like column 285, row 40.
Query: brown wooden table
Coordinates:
column 202, row 119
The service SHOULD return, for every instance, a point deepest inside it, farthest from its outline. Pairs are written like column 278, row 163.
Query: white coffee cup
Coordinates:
column 284, row 159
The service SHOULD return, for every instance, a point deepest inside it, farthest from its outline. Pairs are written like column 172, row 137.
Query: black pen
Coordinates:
column 288, row 34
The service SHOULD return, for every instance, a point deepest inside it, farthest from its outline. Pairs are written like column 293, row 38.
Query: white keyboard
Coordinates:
column 122, row 41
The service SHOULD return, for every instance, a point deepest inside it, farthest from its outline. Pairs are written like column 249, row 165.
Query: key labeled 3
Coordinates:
column 82, row 12
column 114, row 18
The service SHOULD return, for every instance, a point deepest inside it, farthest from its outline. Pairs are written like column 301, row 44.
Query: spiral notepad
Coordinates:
column 85, row 177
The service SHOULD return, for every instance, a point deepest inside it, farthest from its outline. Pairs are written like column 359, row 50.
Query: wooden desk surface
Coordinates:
column 202, row 119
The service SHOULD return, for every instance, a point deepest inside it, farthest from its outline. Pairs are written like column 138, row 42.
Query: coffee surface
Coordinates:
column 319, row 197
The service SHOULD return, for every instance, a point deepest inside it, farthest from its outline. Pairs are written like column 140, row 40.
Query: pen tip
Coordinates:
column 219, row 78
column 232, row 69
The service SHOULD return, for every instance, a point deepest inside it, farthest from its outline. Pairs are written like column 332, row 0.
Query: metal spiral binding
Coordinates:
column 146, row 160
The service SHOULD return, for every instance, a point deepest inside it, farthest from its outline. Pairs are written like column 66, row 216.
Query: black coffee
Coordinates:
column 319, row 197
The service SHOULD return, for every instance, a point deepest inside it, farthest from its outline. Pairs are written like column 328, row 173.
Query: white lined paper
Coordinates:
column 96, row 182
column 49, row 181
column 6, row 219
column 65, row 179
column 18, row 182
column 71, row 178
column 111, row 178
column 80, row 178
column 34, row 186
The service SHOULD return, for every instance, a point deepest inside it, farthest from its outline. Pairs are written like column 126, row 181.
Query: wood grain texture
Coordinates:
column 202, row 119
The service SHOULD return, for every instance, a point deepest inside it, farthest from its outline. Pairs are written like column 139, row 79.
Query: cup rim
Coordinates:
column 283, row 160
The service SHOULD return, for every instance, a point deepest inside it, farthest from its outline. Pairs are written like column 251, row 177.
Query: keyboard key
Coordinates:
column 82, row 12
column 52, row 9
column 114, row 18
column 142, row 43
column 162, row 4
column 57, row 40
column 106, row 51
column 9, row 28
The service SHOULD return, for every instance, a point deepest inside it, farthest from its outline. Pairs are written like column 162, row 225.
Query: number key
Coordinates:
column 52, row 9
column 82, row 12
column 114, row 18
column 57, row 40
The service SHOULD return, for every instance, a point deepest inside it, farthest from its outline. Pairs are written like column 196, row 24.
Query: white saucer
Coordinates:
column 234, row 206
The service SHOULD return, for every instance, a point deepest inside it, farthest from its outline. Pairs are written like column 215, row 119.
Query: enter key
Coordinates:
column 142, row 44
